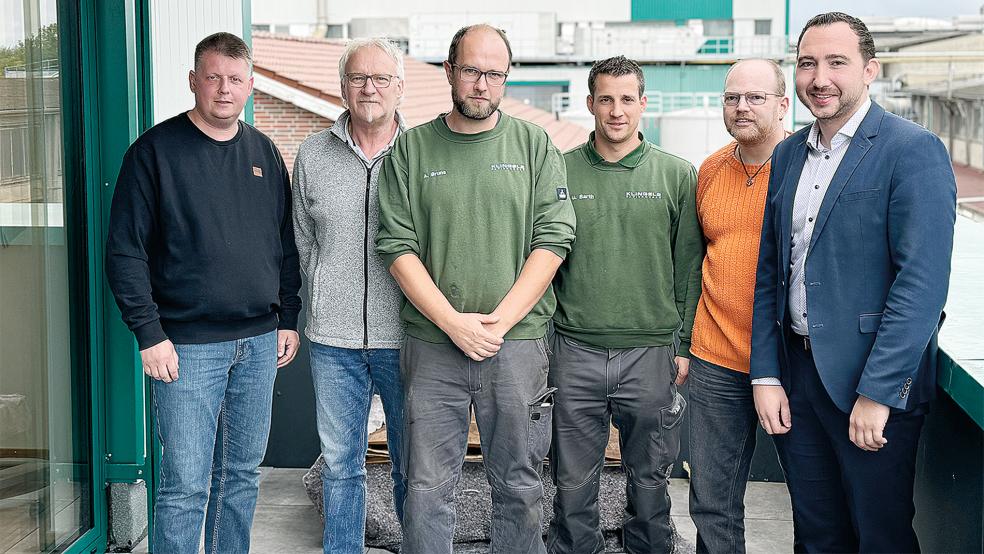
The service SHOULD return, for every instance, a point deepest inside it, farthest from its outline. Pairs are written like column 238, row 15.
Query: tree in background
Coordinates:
column 45, row 42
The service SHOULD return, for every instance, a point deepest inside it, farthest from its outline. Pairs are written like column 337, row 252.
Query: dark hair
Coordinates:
column 866, row 44
column 616, row 67
column 227, row 44
column 453, row 50
column 776, row 69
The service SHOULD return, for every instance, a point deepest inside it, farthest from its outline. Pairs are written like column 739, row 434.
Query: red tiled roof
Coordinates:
column 311, row 65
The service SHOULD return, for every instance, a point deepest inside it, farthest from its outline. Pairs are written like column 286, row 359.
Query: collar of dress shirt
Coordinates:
column 845, row 134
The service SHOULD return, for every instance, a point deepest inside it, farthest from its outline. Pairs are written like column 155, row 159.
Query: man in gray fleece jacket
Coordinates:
column 353, row 316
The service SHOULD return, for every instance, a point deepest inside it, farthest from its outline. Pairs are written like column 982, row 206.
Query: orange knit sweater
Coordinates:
column 730, row 214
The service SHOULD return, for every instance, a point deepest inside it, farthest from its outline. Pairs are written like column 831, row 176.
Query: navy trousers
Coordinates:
column 845, row 499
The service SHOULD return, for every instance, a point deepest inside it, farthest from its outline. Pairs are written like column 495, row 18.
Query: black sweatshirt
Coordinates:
column 201, row 243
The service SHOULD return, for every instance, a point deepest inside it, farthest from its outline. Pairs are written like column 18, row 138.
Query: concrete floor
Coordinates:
column 285, row 520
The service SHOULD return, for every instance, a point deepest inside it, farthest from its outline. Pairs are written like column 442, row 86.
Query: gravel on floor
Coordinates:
column 474, row 508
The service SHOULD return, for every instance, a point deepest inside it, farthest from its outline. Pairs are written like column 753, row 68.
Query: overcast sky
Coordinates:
column 803, row 10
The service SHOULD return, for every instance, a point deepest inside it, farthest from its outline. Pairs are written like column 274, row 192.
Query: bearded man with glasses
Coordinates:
column 731, row 191
column 353, row 320
column 474, row 222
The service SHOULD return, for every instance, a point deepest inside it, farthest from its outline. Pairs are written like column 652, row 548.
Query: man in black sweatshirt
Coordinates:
column 202, row 262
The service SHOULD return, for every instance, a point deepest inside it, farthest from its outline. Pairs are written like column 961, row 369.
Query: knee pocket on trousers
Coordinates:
column 539, row 425
column 664, row 442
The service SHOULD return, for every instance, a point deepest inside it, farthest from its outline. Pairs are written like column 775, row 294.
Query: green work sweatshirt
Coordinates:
column 472, row 207
column 634, row 277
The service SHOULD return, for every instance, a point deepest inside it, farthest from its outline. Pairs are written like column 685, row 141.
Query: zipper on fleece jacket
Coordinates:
column 365, row 256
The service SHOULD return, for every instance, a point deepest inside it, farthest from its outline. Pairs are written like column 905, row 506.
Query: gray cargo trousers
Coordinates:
column 632, row 388
column 513, row 409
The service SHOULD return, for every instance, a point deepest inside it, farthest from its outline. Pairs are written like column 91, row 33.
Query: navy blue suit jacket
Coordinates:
column 877, row 269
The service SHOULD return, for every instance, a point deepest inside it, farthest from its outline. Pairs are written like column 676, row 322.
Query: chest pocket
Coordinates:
column 859, row 195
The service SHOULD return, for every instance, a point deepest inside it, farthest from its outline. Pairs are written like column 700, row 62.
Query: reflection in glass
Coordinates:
column 45, row 488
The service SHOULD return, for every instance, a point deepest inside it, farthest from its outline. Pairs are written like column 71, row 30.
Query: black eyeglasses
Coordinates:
column 471, row 74
column 379, row 80
column 753, row 97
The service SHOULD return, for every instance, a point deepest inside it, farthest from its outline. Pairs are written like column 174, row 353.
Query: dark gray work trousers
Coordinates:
column 513, row 407
column 632, row 388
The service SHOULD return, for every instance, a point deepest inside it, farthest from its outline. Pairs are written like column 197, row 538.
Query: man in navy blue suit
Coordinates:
column 853, row 271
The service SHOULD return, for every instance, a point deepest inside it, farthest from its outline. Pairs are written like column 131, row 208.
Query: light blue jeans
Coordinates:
column 213, row 424
column 344, row 382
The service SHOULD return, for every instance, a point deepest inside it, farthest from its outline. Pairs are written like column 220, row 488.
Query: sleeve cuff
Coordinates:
column 768, row 381
column 288, row 321
column 388, row 259
column 149, row 334
column 684, row 350
column 558, row 250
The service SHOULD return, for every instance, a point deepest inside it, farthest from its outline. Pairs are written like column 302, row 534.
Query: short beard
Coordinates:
column 756, row 136
column 475, row 114
column 367, row 114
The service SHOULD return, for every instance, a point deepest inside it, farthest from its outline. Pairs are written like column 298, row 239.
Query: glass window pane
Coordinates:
column 45, row 452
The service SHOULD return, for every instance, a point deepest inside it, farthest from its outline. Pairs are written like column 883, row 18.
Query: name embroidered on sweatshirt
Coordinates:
column 508, row 167
column 644, row 195
column 438, row 173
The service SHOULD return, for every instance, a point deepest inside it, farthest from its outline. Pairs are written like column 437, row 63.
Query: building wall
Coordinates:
column 570, row 10
column 685, row 78
column 648, row 10
column 284, row 12
column 918, row 74
column 285, row 123
column 745, row 12
column 176, row 26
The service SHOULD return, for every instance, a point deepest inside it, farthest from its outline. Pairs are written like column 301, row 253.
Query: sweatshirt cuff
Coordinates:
column 388, row 259
column 559, row 251
column 684, row 350
column 149, row 334
column 287, row 321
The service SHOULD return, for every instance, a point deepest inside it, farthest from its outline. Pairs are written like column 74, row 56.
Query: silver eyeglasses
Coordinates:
column 379, row 80
column 471, row 74
column 753, row 97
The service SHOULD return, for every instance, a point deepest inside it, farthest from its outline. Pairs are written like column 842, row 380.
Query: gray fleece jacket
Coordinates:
column 353, row 300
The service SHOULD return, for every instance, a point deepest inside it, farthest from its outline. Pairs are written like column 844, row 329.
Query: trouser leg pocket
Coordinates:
column 539, row 425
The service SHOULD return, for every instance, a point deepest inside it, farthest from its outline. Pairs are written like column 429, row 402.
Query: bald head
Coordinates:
column 484, row 35
column 766, row 73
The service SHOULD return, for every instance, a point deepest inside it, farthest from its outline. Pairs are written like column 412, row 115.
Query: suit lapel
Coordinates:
column 859, row 147
column 788, row 192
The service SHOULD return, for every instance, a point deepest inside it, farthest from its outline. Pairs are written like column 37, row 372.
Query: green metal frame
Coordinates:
column 114, row 88
column 248, row 39
column 965, row 390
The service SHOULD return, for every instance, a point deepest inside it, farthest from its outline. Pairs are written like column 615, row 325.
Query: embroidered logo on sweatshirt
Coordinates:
column 644, row 195
column 508, row 167
column 562, row 193
column 257, row 171
column 438, row 173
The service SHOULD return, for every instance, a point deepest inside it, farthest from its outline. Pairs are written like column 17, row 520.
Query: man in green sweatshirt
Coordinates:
column 474, row 221
column 626, row 299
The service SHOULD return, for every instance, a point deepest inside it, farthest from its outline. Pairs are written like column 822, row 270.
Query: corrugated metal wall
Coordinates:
column 643, row 10
column 176, row 26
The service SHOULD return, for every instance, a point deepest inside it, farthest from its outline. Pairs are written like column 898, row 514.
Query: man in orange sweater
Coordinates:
column 731, row 190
